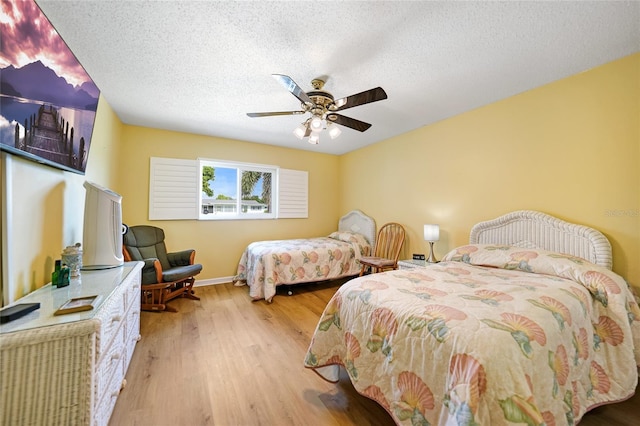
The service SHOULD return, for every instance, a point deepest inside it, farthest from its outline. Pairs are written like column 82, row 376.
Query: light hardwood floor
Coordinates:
column 227, row 361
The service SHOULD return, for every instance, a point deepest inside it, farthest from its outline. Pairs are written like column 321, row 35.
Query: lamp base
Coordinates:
column 431, row 258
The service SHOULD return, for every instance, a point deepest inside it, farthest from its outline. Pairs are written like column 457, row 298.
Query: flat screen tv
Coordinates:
column 48, row 102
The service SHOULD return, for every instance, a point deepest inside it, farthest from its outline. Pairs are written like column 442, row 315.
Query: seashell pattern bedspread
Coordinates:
column 492, row 335
column 266, row 264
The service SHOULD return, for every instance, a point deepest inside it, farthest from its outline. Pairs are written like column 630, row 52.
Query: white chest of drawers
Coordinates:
column 69, row 369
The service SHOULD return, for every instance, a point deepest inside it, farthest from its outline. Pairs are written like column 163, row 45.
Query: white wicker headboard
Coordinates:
column 356, row 221
column 531, row 229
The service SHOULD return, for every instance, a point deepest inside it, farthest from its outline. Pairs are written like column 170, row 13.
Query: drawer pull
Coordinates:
column 115, row 356
column 116, row 318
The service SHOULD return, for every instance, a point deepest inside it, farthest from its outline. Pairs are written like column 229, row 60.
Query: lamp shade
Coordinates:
column 300, row 131
column 334, row 132
column 431, row 232
column 314, row 138
column 315, row 124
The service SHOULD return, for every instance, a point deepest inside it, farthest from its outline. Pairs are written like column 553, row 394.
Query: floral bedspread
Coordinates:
column 266, row 264
column 492, row 335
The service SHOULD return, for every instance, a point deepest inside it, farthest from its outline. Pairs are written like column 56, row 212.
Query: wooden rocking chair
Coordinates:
column 165, row 276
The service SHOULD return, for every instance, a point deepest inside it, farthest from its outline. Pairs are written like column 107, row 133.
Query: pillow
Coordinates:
column 600, row 281
column 511, row 257
column 349, row 237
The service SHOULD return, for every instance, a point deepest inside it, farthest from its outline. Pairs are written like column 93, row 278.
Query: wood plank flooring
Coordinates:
column 227, row 361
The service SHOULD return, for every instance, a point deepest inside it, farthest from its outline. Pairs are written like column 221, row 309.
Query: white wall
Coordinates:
column 42, row 208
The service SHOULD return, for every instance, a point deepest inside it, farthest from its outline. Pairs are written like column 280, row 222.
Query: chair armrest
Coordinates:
column 151, row 271
column 181, row 258
column 149, row 263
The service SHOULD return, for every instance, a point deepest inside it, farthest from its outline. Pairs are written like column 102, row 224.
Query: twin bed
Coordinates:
column 267, row 264
column 527, row 324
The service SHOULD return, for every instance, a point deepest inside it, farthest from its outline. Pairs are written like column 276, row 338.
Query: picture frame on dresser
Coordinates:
column 77, row 304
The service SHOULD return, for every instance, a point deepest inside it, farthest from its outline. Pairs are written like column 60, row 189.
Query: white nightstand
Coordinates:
column 412, row 263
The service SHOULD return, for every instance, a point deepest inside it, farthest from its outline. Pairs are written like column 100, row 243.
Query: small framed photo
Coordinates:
column 77, row 304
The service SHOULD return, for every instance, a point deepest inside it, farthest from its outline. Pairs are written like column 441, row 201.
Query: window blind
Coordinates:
column 293, row 199
column 174, row 189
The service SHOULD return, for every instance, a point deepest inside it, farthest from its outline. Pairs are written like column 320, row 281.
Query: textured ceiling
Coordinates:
column 199, row 67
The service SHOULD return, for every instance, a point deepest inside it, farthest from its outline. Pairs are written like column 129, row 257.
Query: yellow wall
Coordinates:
column 570, row 149
column 45, row 207
column 219, row 244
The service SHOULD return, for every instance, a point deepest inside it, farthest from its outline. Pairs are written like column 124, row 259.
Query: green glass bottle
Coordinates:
column 63, row 277
column 55, row 275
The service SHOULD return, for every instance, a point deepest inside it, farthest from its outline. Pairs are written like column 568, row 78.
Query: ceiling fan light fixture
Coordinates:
column 300, row 131
column 316, row 124
column 322, row 108
column 334, row 131
column 314, row 139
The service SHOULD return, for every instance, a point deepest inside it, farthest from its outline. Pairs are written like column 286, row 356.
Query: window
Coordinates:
column 182, row 189
column 237, row 190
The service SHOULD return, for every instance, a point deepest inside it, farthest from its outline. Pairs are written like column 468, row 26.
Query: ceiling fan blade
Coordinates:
column 270, row 114
column 291, row 86
column 361, row 98
column 358, row 125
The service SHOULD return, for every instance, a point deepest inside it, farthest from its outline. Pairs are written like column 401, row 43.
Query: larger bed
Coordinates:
column 267, row 264
column 525, row 325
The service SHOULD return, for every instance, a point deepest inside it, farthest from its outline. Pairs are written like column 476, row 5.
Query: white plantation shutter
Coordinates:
column 174, row 189
column 293, row 199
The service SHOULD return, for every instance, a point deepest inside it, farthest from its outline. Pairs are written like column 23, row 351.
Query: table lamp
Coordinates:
column 431, row 235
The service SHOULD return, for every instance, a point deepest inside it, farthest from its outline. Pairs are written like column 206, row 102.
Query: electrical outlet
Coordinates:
column 418, row 256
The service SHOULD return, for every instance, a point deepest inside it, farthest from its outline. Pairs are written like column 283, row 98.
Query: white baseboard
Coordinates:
column 213, row 281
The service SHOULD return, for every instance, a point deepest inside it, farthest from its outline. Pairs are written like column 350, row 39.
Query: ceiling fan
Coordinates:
column 323, row 108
